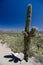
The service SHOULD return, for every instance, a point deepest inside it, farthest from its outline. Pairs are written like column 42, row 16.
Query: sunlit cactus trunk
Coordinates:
column 27, row 33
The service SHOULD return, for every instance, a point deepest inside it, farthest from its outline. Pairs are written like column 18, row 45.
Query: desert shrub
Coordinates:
column 40, row 58
column 1, row 36
column 10, row 41
column 14, row 42
column 15, row 49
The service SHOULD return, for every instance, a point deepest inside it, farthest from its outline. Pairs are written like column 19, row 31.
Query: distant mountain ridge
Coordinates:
column 15, row 32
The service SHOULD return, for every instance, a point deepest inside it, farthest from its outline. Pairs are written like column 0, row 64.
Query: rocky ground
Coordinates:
column 7, row 57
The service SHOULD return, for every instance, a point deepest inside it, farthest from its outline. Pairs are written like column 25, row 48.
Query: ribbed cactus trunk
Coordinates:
column 27, row 34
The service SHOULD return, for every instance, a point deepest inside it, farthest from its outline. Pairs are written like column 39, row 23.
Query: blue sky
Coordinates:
column 13, row 14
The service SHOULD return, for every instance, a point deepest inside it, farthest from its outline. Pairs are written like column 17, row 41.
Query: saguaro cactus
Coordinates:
column 27, row 33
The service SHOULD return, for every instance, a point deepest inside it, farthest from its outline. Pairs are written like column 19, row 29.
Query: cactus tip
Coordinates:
column 30, row 4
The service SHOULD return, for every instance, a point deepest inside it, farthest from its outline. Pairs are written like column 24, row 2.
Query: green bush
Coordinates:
column 15, row 49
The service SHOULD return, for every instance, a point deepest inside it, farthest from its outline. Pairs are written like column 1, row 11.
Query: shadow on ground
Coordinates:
column 13, row 58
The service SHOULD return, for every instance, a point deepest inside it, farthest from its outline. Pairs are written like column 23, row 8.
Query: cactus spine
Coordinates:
column 27, row 33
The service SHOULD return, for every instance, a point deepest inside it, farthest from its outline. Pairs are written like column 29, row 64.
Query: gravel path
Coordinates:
column 7, row 51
